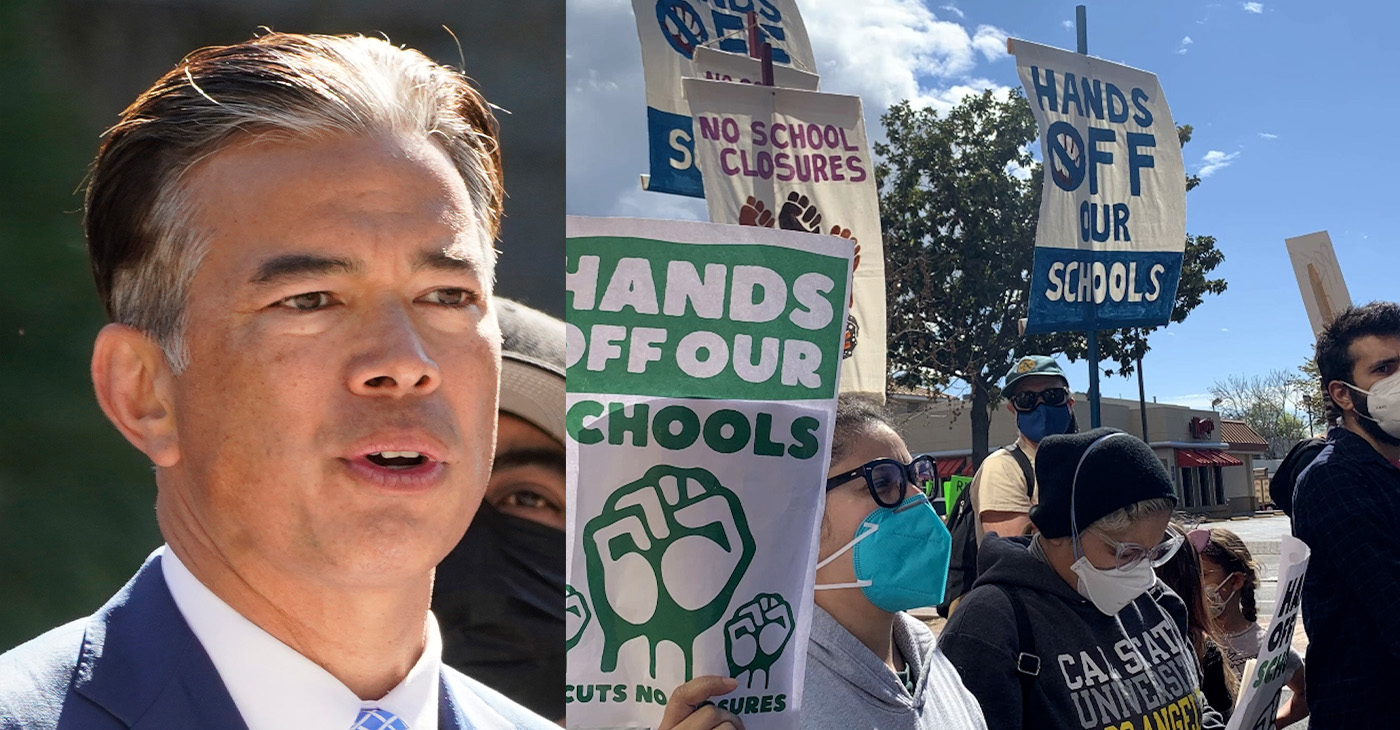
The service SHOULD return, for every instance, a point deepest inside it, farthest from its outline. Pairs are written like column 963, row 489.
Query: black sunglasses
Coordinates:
column 1026, row 400
column 887, row 479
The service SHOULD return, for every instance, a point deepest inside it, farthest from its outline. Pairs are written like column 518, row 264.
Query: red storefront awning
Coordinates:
column 954, row 466
column 1205, row 457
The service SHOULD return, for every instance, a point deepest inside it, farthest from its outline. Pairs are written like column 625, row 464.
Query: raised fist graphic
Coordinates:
column 664, row 559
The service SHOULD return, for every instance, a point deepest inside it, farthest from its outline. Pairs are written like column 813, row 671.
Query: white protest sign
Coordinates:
column 670, row 31
column 714, row 65
column 1261, row 688
column 1319, row 278
column 703, row 363
column 799, row 161
column 1112, row 223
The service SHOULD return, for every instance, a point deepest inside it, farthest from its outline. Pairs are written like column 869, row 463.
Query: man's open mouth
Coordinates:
column 397, row 459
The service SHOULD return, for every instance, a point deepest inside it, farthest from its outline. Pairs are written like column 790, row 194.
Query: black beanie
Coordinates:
column 1119, row 472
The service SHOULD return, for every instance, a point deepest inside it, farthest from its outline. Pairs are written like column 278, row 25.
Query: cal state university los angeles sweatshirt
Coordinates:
column 1132, row 671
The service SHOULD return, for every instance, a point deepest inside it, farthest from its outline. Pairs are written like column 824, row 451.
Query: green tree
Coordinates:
column 959, row 201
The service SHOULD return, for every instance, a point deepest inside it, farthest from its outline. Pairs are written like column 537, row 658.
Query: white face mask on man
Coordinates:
column 1383, row 403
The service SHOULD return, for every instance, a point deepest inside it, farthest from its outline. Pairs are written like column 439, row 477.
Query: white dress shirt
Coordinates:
column 273, row 686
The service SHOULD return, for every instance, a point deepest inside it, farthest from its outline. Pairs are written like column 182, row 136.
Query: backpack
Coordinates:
column 962, row 525
column 1286, row 476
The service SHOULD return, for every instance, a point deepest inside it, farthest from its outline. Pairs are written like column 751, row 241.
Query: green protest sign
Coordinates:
column 703, row 368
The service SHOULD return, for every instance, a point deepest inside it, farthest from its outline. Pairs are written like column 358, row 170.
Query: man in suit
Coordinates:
column 293, row 240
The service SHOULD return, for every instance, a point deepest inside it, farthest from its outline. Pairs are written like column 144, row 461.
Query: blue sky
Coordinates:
column 1291, row 107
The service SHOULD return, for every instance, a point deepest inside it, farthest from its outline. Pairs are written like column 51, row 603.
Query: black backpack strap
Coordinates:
column 1026, row 469
column 1027, row 661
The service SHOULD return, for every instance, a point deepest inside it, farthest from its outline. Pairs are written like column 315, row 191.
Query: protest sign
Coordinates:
column 798, row 160
column 1319, row 278
column 1112, row 223
column 714, row 65
column 670, row 31
column 703, row 363
column 1261, row 687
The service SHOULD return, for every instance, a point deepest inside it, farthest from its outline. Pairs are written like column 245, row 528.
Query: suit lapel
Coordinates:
column 141, row 662
column 450, row 716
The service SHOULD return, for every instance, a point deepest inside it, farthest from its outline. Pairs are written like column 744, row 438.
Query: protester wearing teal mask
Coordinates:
column 883, row 550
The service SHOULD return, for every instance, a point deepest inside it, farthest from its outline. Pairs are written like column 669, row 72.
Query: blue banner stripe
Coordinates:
column 1081, row 290
column 672, row 144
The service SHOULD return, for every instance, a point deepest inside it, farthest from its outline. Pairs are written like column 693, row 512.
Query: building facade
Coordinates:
column 1210, row 458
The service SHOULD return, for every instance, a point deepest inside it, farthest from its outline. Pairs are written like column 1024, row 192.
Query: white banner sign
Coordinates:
column 1319, row 278
column 715, row 65
column 1261, row 688
column 1112, row 223
column 702, row 373
column 670, row 31
column 799, row 161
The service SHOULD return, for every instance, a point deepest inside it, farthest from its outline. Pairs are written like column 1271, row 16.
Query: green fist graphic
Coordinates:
column 664, row 559
column 756, row 635
column 576, row 615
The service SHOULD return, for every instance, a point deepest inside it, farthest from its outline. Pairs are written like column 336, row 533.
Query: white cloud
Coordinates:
column 890, row 51
column 1266, row 135
column 1067, row 24
column 1255, row 8
column 894, row 50
column 1216, row 160
column 1185, row 45
column 1200, row 401
column 954, row 10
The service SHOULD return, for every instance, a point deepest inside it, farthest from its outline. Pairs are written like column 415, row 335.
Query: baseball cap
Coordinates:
column 1032, row 365
column 532, row 366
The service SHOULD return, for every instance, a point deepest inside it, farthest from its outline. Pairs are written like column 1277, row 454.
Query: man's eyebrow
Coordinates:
column 301, row 266
column 1391, row 361
column 441, row 260
column 547, row 458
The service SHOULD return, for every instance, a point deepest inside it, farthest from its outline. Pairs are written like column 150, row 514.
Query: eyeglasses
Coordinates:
column 1128, row 554
column 1025, row 400
column 887, row 479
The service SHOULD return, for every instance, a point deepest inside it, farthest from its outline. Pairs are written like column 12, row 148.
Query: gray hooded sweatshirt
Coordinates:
column 849, row 688
column 1130, row 671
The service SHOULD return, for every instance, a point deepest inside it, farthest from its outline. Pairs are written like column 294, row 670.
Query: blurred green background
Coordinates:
column 76, row 501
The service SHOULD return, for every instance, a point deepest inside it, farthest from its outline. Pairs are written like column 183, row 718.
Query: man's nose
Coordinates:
column 393, row 359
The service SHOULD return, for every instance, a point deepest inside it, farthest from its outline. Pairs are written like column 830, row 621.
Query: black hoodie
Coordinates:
column 1132, row 671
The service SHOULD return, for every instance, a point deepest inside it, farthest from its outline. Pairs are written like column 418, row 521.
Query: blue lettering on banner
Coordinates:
column 1087, row 290
column 672, row 143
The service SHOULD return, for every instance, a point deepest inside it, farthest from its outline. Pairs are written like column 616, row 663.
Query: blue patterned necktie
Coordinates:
column 376, row 719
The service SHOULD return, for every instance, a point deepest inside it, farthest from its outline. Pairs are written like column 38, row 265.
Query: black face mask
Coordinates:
column 499, row 600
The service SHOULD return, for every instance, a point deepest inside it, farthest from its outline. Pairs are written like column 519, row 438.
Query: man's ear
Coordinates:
column 1341, row 395
column 134, row 386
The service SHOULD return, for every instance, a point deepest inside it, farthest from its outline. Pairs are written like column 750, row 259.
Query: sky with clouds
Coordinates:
column 1292, row 108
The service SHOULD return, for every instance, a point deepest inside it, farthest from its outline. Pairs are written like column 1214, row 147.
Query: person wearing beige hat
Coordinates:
column 499, row 595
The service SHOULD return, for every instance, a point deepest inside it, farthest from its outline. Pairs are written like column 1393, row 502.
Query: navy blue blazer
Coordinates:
column 136, row 664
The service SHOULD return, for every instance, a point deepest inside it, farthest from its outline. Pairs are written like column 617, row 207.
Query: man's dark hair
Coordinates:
column 855, row 415
column 1334, row 360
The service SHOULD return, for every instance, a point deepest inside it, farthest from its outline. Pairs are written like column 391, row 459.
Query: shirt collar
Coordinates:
column 273, row 686
column 1354, row 446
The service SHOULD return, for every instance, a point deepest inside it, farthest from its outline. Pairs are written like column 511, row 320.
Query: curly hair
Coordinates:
column 1333, row 353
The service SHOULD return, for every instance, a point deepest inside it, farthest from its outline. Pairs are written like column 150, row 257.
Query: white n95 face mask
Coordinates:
column 1383, row 402
column 1113, row 589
